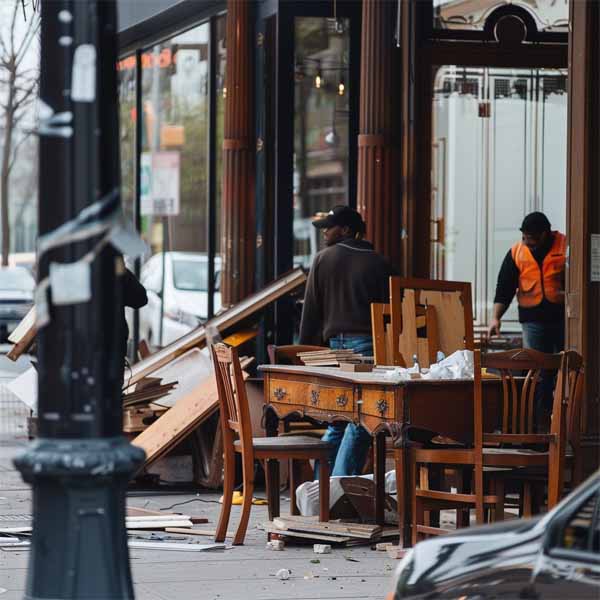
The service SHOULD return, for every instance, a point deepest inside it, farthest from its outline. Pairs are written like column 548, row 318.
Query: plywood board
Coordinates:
column 190, row 410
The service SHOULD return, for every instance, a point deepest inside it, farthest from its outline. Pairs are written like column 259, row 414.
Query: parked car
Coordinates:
column 185, row 295
column 16, row 297
column 555, row 556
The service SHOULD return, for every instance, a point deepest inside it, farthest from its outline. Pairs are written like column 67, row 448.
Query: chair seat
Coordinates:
column 514, row 457
column 287, row 442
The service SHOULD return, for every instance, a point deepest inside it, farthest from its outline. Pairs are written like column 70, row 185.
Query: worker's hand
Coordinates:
column 494, row 328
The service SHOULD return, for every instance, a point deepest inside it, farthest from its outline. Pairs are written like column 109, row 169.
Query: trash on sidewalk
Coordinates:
column 276, row 545
column 177, row 546
column 283, row 574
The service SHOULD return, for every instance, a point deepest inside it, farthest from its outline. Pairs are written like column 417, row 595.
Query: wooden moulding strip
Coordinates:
column 237, row 313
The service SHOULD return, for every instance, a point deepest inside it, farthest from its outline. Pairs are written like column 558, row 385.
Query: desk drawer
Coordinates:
column 378, row 403
column 334, row 398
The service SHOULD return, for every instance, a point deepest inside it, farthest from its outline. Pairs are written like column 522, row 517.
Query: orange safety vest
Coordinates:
column 537, row 283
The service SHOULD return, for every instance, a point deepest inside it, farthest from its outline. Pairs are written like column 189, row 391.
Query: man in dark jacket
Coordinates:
column 345, row 278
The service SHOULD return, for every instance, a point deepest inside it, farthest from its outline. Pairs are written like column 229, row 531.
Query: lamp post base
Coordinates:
column 79, row 546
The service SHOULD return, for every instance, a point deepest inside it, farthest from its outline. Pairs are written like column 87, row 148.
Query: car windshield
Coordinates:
column 190, row 275
column 16, row 279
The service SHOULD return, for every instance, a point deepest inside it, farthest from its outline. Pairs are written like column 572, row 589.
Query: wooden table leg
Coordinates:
column 403, row 495
column 379, row 478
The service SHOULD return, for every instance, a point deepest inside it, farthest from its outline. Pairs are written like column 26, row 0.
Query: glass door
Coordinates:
column 499, row 151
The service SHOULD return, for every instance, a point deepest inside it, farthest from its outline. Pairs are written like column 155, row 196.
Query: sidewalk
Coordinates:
column 238, row 573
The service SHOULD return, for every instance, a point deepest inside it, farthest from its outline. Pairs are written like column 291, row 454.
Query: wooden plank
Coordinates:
column 378, row 311
column 23, row 336
column 223, row 322
column 196, row 406
column 329, row 528
column 201, row 532
column 157, row 524
column 407, row 344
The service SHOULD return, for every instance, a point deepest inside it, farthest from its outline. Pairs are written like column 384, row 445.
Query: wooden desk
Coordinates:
column 384, row 408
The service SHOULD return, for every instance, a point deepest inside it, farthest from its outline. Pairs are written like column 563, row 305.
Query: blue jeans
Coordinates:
column 350, row 442
column 548, row 338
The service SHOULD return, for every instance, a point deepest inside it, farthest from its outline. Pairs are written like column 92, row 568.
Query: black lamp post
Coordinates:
column 80, row 464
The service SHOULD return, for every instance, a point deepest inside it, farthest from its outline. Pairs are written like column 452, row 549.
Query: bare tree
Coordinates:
column 18, row 87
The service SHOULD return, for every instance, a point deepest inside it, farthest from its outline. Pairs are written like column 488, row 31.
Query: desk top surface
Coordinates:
column 374, row 378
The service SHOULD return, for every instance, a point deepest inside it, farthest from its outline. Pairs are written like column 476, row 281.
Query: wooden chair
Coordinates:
column 235, row 423
column 570, row 460
column 442, row 308
column 505, row 449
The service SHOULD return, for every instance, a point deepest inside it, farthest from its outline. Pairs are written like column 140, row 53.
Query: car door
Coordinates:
column 569, row 564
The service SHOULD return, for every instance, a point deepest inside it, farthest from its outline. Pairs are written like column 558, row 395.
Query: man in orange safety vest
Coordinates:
column 534, row 270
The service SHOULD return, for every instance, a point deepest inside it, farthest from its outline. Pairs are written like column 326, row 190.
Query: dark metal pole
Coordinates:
column 81, row 463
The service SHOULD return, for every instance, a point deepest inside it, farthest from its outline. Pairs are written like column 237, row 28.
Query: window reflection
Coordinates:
column 549, row 15
column 321, row 126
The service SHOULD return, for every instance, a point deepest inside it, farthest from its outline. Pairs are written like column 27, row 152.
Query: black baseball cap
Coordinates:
column 344, row 216
column 535, row 222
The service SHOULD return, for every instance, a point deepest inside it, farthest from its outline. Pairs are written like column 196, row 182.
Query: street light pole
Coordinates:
column 80, row 465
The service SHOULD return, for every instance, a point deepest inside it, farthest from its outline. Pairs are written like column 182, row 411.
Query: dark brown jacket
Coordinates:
column 343, row 282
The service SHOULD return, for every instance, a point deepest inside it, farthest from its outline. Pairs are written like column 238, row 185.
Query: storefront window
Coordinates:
column 549, row 15
column 321, row 126
column 174, row 194
column 175, row 170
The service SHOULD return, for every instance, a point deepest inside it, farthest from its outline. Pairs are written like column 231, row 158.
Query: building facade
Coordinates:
column 443, row 121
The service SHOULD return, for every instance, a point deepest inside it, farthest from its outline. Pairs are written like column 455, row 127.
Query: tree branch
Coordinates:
column 16, row 148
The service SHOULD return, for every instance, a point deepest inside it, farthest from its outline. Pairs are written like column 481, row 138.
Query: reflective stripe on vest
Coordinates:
column 535, row 284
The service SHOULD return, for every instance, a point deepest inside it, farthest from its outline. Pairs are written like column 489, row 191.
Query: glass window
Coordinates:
column 174, row 177
column 221, row 91
column 126, row 68
column 549, row 15
column 321, row 126
column 188, row 275
column 498, row 153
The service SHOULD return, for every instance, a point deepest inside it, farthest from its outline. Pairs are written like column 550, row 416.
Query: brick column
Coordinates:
column 378, row 156
column 238, row 159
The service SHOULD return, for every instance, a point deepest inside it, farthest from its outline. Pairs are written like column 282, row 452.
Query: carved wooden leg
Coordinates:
column 379, row 477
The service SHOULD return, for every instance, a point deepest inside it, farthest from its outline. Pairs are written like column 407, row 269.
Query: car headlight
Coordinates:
column 402, row 575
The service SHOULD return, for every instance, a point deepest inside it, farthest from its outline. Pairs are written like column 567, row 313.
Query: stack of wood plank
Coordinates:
column 139, row 405
column 331, row 532
column 330, row 358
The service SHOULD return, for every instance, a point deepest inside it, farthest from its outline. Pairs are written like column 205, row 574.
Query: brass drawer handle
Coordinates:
column 341, row 401
column 314, row 397
column 279, row 393
column 382, row 406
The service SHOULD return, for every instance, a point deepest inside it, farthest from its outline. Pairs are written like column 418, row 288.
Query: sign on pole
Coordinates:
column 159, row 183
